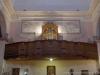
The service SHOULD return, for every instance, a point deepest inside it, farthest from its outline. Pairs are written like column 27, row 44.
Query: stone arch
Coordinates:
column 2, row 25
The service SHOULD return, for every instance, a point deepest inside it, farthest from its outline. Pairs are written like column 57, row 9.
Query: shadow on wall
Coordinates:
column 98, row 29
column 2, row 25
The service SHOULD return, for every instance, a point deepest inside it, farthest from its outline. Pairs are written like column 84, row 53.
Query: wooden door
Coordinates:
column 51, row 70
column 15, row 71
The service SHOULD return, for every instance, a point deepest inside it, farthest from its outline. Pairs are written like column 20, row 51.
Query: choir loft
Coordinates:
column 49, row 37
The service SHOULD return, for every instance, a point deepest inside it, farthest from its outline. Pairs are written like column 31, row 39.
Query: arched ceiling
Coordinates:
column 42, row 8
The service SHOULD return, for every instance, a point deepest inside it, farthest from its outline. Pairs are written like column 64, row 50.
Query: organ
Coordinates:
column 49, row 31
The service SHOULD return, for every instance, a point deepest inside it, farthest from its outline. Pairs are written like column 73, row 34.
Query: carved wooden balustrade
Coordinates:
column 41, row 49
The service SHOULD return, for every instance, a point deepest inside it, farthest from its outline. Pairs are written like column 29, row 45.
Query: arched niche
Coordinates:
column 2, row 25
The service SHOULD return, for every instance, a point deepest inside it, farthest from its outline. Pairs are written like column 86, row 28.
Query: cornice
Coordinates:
column 51, row 13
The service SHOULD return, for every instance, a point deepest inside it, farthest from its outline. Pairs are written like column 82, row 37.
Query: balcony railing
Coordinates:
column 61, row 49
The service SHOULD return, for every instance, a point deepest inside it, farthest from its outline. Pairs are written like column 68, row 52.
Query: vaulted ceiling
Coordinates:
column 51, row 7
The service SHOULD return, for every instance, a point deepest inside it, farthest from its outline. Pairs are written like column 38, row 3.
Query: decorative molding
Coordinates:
column 93, row 5
column 51, row 13
column 7, row 7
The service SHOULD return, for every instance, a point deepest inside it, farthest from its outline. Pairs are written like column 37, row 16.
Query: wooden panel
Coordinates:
column 61, row 49
column 51, row 70
column 15, row 71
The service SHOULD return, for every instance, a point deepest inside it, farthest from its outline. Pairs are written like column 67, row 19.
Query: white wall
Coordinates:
column 85, row 35
column 2, row 48
column 98, row 48
column 39, row 67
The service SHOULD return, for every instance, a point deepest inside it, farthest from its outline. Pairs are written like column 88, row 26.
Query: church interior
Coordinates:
column 49, row 37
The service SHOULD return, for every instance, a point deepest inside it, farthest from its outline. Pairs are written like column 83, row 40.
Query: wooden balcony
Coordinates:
column 60, row 49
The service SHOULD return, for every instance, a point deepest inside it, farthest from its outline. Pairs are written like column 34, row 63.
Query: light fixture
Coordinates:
column 25, row 73
column 51, row 59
